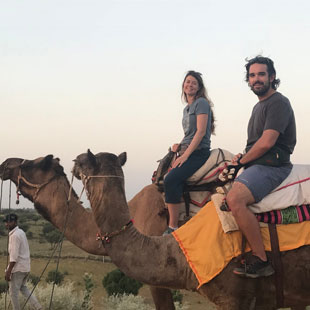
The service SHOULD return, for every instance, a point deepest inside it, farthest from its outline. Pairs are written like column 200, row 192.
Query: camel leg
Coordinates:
column 162, row 298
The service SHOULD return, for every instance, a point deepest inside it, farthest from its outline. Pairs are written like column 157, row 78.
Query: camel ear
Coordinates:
column 92, row 158
column 46, row 162
column 122, row 158
column 60, row 170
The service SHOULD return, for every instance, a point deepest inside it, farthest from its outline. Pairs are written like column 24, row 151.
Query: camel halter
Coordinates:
column 37, row 186
column 86, row 178
column 107, row 236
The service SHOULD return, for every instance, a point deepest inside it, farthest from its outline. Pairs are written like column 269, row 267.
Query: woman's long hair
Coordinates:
column 202, row 92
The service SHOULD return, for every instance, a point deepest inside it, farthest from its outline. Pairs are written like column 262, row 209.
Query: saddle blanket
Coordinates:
column 293, row 191
column 208, row 249
column 292, row 214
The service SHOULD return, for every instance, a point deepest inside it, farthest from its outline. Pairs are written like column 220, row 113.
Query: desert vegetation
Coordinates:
column 80, row 275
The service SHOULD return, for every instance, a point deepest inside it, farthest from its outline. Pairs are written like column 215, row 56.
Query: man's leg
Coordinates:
column 14, row 288
column 32, row 300
column 238, row 198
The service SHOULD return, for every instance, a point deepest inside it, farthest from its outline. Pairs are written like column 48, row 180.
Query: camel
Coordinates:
column 45, row 184
column 159, row 261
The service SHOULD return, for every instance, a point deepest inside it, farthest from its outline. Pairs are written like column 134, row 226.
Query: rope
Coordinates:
column 1, row 190
column 59, row 243
column 7, row 246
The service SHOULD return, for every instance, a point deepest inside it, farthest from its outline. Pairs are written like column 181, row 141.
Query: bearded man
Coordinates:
column 271, row 140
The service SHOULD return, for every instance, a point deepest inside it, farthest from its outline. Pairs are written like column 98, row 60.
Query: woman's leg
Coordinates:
column 174, row 184
column 174, row 209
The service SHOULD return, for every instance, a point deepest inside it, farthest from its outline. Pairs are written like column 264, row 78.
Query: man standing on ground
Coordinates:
column 271, row 140
column 19, row 264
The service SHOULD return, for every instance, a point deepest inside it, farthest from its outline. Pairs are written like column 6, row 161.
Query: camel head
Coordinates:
column 35, row 171
column 103, row 178
column 88, row 164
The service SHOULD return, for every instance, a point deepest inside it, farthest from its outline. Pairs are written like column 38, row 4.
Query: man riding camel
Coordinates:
column 271, row 140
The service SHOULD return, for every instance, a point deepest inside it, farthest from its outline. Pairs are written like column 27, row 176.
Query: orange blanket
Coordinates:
column 208, row 249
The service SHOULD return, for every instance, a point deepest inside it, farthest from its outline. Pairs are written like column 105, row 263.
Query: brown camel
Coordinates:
column 43, row 182
column 160, row 261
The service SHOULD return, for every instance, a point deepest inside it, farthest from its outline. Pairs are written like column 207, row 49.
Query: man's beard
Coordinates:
column 262, row 91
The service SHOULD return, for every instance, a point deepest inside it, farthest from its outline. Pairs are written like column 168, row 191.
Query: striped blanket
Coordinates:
column 290, row 215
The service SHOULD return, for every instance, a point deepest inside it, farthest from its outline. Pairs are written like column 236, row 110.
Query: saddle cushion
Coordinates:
column 293, row 191
column 210, row 171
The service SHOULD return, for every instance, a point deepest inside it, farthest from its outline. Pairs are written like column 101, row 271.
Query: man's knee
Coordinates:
column 239, row 197
column 233, row 198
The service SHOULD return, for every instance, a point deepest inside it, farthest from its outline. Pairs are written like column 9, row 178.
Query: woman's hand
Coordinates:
column 175, row 147
column 179, row 161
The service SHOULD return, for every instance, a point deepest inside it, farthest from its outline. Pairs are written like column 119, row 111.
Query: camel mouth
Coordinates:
column 2, row 170
column 75, row 172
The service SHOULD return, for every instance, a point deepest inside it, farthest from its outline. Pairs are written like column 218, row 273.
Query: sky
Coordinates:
column 107, row 75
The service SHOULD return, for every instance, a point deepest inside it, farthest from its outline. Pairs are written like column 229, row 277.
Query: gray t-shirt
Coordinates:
column 275, row 113
column 189, row 122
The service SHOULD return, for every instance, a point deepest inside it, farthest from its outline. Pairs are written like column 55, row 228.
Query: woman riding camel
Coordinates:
column 194, row 149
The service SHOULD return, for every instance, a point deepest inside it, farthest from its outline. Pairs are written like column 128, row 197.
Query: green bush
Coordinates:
column 55, row 277
column 177, row 296
column 3, row 230
column 29, row 234
column 24, row 226
column 3, row 286
column 47, row 227
column 33, row 279
column 89, row 286
column 116, row 282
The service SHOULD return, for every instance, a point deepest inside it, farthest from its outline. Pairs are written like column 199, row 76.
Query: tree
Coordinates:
column 53, row 237
column 51, row 234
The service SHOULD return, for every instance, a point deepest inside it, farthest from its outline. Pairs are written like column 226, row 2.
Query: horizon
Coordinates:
column 107, row 75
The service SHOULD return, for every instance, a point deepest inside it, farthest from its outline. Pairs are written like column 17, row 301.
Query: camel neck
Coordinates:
column 81, row 228
column 131, row 251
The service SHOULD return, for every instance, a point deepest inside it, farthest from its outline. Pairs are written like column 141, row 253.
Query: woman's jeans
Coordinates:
column 175, row 180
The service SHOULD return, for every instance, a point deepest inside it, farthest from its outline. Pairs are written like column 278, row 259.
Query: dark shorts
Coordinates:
column 176, row 178
column 261, row 180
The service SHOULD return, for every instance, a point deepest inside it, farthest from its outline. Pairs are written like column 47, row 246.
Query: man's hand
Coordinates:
column 236, row 158
column 230, row 172
column 8, row 275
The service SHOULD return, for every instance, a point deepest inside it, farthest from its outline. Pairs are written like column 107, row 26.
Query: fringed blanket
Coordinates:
column 208, row 249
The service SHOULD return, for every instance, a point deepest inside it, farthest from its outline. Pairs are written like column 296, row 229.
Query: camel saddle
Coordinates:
column 200, row 186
